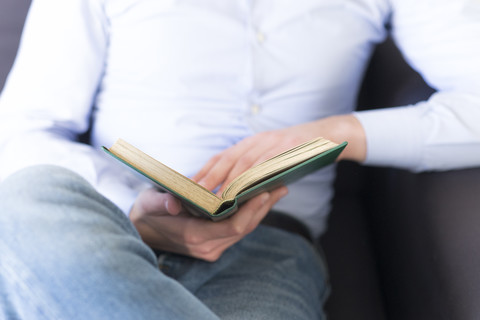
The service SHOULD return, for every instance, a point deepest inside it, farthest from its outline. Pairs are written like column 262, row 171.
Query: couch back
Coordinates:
column 12, row 17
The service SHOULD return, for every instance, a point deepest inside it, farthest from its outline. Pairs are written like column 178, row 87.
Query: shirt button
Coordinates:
column 260, row 37
column 255, row 109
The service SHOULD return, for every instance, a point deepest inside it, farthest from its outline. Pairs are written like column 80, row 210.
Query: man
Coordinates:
column 210, row 88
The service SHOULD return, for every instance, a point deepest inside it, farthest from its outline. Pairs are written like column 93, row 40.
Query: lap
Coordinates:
column 74, row 247
column 270, row 274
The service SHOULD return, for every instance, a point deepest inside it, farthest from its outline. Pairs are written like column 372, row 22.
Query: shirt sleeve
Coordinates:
column 440, row 40
column 49, row 94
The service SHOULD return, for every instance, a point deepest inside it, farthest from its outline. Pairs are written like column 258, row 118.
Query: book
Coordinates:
column 279, row 170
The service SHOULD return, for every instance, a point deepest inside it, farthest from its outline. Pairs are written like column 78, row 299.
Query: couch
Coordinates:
column 399, row 245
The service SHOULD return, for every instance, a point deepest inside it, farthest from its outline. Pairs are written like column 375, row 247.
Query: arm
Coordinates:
column 440, row 39
column 48, row 97
column 225, row 166
column 46, row 104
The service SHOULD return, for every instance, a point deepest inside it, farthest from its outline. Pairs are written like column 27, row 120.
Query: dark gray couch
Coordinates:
column 399, row 245
column 402, row 245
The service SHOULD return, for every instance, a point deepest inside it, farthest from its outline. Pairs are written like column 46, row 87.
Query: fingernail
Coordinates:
column 170, row 206
column 265, row 197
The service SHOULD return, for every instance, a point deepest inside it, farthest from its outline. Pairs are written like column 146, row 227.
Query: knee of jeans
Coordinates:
column 29, row 186
column 36, row 181
column 43, row 187
column 45, row 197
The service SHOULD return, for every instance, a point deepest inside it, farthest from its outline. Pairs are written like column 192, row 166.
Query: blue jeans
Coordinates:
column 66, row 252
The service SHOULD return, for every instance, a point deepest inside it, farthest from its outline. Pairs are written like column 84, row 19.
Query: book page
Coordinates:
column 276, row 164
column 169, row 179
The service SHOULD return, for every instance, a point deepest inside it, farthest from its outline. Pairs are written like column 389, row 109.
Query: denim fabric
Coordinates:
column 66, row 252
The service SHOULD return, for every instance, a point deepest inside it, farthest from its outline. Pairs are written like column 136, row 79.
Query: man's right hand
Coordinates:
column 163, row 224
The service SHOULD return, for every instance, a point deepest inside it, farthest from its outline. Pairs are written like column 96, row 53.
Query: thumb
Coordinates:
column 172, row 204
column 153, row 201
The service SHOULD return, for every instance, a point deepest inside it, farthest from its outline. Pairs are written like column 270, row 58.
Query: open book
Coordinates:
column 281, row 169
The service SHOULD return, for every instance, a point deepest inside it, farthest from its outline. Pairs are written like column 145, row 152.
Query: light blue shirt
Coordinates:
column 183, row 80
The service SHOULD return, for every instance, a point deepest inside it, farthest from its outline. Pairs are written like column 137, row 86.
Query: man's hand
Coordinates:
column 228, row 164
column 162, row 224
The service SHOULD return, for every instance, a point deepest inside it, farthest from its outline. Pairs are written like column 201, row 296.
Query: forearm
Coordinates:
column 439, row 134
column 34, row 147
column 341, row 128
column 443, row 46
column 338, row 128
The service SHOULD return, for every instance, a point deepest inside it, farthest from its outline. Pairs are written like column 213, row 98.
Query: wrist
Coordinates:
column 348, row 128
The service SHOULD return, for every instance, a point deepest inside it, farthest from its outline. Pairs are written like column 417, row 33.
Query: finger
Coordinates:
column 204, row 239
column 248, row 161
column 206, row 168
column 151, row 200
column 173, row 205
column 195, row 231
column 215, row 171
column 218, row 172
column 240, row 165
column 278, row 194
column 213, row 249
column 176, row 239
column 220, row 166
column 275, row 196
column 238, row 224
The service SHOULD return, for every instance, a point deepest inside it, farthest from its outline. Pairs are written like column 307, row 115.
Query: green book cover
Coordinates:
column 226, row 208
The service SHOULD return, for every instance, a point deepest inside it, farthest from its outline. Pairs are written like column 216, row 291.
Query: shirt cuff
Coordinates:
column 394, row 136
